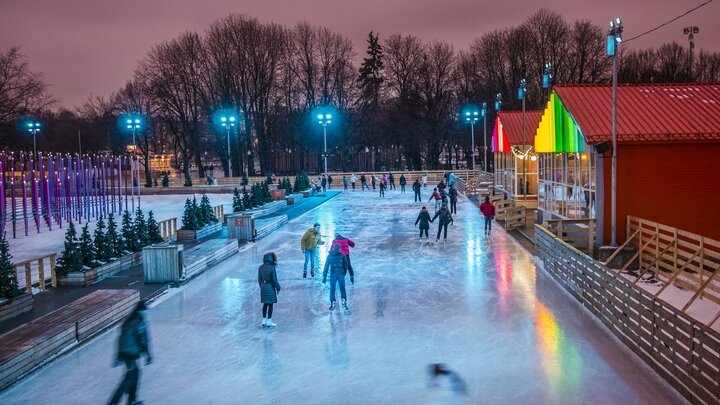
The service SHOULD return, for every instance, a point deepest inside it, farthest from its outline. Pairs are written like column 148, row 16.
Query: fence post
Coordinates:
column 41, row 272
column 53, row 276
column 28, row 278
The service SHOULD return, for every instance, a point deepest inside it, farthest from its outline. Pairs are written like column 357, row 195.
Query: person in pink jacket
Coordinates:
column 345, row 245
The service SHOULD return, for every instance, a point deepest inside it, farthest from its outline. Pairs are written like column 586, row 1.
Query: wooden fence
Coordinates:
column 579, row 233
column 680, row 349
column 168, row 228
column 219, row 212
column 37, row 264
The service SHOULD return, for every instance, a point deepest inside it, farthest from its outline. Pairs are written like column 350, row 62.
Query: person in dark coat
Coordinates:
column 336, row 263
column 403, row 182
column 132, row 344
column 416, row 188
column 424, row 220
column 488, row 211
column 382, row 189
column 363, row 182
column 345, row 245
column 453, row 199
column 391, row 178
column 372, row 180
column 329, row 181
column 323, row 183
column 445, row 220
column 269, row 287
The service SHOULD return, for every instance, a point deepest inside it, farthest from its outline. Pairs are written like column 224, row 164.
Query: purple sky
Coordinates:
column 90, row 47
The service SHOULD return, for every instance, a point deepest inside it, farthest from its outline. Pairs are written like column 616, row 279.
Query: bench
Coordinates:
column 264, row 226
column 293, row 198
column 29, row 346
column 202, row 257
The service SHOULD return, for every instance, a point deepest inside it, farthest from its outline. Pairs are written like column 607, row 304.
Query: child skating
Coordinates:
column 336, row 263
column 445, row 220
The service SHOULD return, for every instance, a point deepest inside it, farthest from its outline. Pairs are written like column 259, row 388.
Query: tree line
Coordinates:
column 405, row 95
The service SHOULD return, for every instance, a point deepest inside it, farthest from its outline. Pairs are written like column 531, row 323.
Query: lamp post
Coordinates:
column 483, row 112
column 472, row 117
column 614, row 39
column 498, row 106
column 228, row 122
column 324, row 119
column 521, row 95
column 547, row 77
column 134, row 124
column 690, row 32
column 34, row 127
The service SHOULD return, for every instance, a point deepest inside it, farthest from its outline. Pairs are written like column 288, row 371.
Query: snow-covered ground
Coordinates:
column 477, row 304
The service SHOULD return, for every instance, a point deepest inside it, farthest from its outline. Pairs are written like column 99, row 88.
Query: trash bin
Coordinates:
column 241, row 227
column 163, row 263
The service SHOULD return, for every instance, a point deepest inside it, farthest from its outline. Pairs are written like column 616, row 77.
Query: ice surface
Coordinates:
column 477, row 304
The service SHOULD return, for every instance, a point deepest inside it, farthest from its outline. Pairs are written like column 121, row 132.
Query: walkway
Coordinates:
column 477, row 304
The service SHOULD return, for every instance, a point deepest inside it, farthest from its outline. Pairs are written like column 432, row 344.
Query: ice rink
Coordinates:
column 478, row 304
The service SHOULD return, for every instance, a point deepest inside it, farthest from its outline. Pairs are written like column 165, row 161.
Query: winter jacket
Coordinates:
column 445, row 216
column 372, row 180
column 436, row 196
column 403, row 180
column 384, row 179
column 353, row 179
column 441, row 186
column 417, row 186
column 382, row 186
column 134, row 340
column 310, row 240
column 268, row 281
column 451, row 179
column 392, row 179
column 323, row 182
column 363, row 179
column 345, row 180
column 487, row 209
column 424, row 219
column 344, row 243
column 336, row 262
column 453, row 194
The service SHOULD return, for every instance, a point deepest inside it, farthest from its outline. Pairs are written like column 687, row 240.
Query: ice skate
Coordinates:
column 270, row 323
column 312, row 273
column 304, row 274
column 344, row 305
column 264, row 322
column 332, row 306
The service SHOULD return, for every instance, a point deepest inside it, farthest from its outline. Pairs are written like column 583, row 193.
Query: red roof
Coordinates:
column 646, row 112
column 512, row 125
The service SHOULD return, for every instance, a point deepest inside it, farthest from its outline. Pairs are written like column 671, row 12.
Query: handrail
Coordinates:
column 219, row 212
column 40, row 260
column 167, row 228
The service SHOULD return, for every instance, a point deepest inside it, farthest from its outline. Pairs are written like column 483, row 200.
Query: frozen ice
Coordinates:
column 478, row 304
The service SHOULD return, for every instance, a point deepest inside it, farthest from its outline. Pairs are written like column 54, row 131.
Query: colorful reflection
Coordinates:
column 558, row 131
column 559, row 357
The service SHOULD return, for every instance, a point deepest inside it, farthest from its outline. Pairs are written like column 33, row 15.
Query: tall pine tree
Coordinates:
column 153, row 232
column 128, row 232
column 140, row 228
column 189, row 218
column 114, row 241
column 237, row 201
column 70, row 259
column 87, row 248
column 370, row 71
column 103, row 250
column 8, row 277
column 206, row 212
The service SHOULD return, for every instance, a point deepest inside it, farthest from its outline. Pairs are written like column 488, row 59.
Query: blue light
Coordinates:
column 320, row 116
column 610, row 45
column 328, row 116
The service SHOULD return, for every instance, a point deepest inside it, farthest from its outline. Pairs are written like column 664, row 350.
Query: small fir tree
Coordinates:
column 189, row 218
column 296, row 186
column 247, row 201
column 129, row 237
column 266, row 193
column 237, row 201
column 8, row 277
column 114, row 241
column 153, row 231
column 70, row 259
column 148, row 179
column 188, row 181
column 268, row 179
column 103, row 250
column 87, row 248
column 245, row 180
column 165, row 180
column 206, row 211
column 141, row 231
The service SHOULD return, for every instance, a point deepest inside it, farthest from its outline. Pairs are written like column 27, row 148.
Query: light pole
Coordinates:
column 472, row 117
column 498, row 106
column 483, row 112
column 34, row 127
column 228, row 123
column 614, row 39
column 324, row 119
column 134, row 123
column 690, row 32
column 547, row 77
column 521, row 95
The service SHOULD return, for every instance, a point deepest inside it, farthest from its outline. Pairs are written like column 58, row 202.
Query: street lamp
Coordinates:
column 472, row 117
column 498, row 102
column 547, row 76
column 483, row 112
column 34, row 127
column 228, row 122
column 324, row 119
column 614, row 39
column 134, row 123
column 522, row 90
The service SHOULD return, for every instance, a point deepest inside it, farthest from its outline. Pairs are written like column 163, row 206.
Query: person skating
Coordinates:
column 373, row 179
column 384, row 180
column 488, row 210
column 391, row 178
column 451, row 179
column 363, row 182
column 329, row 181
column 416, row 188
column 309, row 244
column 269, row 287
column 382, row 189
column 445, row 220
column 345, row 245
column 345, row 183
column 453, row 199
column 437, row 197
column 441, row 186
column 353, row 180
column 403, row 182
column 323, row 183
column 424, row 220
column 337, row 264
column 425, row 179
column 132, row 344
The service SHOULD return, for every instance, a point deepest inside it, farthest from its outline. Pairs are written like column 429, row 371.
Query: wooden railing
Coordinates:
column 579, row 233
column 678, row 347
column 219, row 212
column 677, row 257
column 168, row 228
column 515, row 217
column 38, row 263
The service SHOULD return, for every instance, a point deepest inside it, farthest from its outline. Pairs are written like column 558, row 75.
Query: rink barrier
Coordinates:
column 38, row 342
column 205, row 231
column 99, row 273
column 202, row 257
column 168, row 228
column 682, row 350
column 16, row 306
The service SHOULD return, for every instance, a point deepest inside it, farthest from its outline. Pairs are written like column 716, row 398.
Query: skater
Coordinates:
column 323, row 183
column 446, row 383
column 309, row 244
column 425, row 179
column 385, row 180
column 403, row 182
column 353, row 179
column 437, row 197
column 132, row 344
column 416, row 188
column 336, row 262
column 329, row 181
column 345, row 245
column 441, row 186
column 488, row 210
column 445, row 220
column 269, row 288
column 373, row 179
column 453, row 199
column 363, row 182
column 451, row 179
column 391, row 178
column 424, row 220
column 382, row 189
column 345, row 182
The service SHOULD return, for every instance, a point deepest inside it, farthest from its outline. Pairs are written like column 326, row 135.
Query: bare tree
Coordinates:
column 21, row 91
